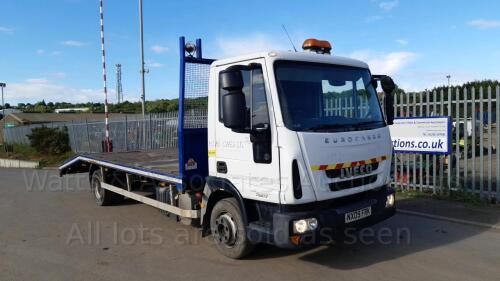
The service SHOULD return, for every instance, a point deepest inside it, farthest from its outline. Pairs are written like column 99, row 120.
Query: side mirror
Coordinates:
column 231, row 79
column 374, row 83
column 388, row 87
column 233, row 103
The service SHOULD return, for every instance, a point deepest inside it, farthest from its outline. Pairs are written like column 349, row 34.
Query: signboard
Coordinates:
column 428, row 135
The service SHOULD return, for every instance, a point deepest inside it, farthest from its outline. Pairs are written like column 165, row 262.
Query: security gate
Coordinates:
column 473, row 165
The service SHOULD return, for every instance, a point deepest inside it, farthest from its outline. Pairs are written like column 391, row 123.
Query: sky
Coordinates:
column 51, row 49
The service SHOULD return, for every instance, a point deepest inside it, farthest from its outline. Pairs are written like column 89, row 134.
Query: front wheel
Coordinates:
column 103, row 197
column 228, row 229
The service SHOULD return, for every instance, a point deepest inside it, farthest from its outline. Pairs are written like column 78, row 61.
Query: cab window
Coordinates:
column 254, row 90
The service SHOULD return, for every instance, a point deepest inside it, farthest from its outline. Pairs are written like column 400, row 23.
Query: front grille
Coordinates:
column 332, row 174
column 337, row 186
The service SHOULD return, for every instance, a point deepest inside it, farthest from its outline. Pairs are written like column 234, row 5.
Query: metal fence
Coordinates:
column 19, row 134
column 155, row 131
column 473, row 165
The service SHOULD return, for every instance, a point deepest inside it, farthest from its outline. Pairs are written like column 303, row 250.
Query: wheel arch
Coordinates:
column 215, row 190
column 92, row 169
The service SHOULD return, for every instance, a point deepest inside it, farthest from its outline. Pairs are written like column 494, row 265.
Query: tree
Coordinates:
column 50, row 140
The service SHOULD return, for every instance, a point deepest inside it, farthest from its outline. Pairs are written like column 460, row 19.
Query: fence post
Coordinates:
column 394, row 155
column 441, row 157
column 490, row 143
column 88, row 135
column 414, row 156
column 427, row 158
column 73, row 134
column 126, row 133
column 457, row 137
column 139, row 138
column 150, row 132
column 450, row 156
column 474, row 139
column 497, row 99
column 408, row 106
column 466, row 143
column 421, row 113
column 481, row 141
column 401, row 155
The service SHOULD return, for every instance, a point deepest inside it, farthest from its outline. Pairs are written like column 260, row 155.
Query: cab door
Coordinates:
column 249, row 157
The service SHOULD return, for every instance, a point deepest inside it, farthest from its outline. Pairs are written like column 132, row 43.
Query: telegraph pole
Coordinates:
column 143, row 70
column 119, row 89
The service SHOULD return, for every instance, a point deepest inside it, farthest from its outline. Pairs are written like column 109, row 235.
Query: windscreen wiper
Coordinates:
column 361, row 124
column 344, row 127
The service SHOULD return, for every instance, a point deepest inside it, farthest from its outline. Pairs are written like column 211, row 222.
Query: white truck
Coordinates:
column 295, row 150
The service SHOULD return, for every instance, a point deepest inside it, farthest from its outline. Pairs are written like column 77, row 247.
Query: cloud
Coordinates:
column 422, row 80
column 36, row 89
column 154, row 64
column 484, row 24
column 72, row 43
column 158, row 49
column 6, row 30
column 381, row 63
column 388, row 5
column 402, row 41
column 59, row 74
column 256, row 42
column 42, row 52
column 371, row 19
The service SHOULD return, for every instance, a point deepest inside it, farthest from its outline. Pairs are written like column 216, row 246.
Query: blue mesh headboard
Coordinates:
column 193, row 108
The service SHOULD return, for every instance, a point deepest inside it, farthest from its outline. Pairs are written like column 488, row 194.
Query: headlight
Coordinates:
column 305, row 225
column 389, row 202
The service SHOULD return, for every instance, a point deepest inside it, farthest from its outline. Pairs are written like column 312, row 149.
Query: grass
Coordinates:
column 26, row 152
column 455, row 196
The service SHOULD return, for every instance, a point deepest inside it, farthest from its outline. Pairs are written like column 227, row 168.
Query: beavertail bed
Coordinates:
column 159, row 164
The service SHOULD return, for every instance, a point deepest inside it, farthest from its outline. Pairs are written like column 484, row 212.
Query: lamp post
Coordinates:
column 143, row 71
column 448, row 77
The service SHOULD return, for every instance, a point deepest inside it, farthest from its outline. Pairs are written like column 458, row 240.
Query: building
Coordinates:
column 72, row 110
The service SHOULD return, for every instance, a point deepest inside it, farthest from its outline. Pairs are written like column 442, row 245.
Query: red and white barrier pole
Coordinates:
column 107, row 142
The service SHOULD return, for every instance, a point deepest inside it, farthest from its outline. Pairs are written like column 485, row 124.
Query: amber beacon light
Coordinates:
column 317, row 46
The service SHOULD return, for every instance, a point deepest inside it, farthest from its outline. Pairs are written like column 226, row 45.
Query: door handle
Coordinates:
column 221, row 167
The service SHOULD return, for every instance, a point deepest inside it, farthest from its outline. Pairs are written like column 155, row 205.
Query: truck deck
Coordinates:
column 163, row 161
column 160, row 164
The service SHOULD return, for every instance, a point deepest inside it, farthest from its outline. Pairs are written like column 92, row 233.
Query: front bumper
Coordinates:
column 331, row 219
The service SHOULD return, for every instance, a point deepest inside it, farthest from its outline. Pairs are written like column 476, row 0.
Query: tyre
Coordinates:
column 103, row 197
column 228, row 229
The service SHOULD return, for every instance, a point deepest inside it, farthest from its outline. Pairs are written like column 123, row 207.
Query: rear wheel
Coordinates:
column 228, row 229
column 103, row 197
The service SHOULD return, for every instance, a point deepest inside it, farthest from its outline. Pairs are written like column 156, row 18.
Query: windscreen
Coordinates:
column 326, row 97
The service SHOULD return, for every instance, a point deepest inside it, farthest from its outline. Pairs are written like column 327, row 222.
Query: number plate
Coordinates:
column 358, row 214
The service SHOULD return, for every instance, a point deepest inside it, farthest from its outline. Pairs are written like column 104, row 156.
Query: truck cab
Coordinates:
column 302, row 139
